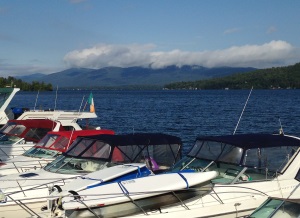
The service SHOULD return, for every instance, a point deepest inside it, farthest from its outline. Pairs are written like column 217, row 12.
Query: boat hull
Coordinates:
column 14, row 210
column 137, row 206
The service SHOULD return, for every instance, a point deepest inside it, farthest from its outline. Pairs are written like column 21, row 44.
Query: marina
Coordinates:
column 229, row 170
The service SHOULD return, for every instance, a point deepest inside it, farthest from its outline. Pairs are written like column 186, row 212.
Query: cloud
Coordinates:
column 7, row 69
column 104, row 55
column 274, row 53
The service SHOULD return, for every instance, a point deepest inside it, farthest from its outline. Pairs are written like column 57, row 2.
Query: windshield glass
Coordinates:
column 41, row 153
column 17, row 130
column 277, row 208
column 270, row 158
column 71, row 165
column 8, row 127
column 36, row 134
column 235, row 164
column 54, row 141
column 89, row 148
column 8, row 139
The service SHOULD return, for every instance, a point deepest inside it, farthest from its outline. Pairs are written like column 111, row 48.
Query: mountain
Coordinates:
column 287, row 77
column 134, row 76
column 31, row 77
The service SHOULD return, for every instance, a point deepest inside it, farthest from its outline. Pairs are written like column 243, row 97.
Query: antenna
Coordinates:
column 37, row 96
column 242, row 112
column 55, row 98
column 281, row 129
column 81, row 104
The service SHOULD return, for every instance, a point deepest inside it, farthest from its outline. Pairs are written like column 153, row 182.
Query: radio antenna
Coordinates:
column 55, row 97
column 242, row 112
column 281, row 129
column 37, row 96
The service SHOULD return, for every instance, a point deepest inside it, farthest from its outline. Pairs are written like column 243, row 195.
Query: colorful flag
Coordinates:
column 91, row 102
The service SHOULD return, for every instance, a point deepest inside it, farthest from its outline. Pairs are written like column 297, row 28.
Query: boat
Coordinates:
column 46, row 150
column 6, row 95
column 276, row 207
column 25, row 194
column 251, row 168
column 17, row 136
column 69, row 119
column 127, row 196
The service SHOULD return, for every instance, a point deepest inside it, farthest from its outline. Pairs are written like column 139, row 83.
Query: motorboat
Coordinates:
column 94, row 197
column 46, row 150
column 24, row 194
column 6, row 95
column 70, row 119
column 17, row 136
column 280, row 207
column 251, row 168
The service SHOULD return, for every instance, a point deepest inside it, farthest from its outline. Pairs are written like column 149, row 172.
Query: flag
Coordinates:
column 91, row 102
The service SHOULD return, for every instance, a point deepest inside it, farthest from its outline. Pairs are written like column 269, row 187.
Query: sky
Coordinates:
column 40, row 36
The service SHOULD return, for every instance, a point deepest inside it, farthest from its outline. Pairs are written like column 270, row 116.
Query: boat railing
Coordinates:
column 199, row 190
column 23, row 201
column 24, row 168
column 24, row 207
column 208, row 190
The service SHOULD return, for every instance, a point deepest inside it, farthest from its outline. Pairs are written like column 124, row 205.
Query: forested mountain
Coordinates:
column 133, row 76
column 271, row 78
column 24, row 86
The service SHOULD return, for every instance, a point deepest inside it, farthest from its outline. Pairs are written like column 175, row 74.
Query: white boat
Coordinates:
column 10, row 118
column 17, row 136
column 280, row 207
column 25, row 194
column 66, row 118
column 129, row 196
column 6, row 95
column 251, row 167
column 45, row 151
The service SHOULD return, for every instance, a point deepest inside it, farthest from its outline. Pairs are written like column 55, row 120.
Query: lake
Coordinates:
column 186, row 114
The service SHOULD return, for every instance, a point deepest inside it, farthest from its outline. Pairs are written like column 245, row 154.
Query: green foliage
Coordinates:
column 272, row 78
column 24, row 86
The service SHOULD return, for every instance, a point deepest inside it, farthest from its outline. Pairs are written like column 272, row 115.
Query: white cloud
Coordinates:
column 274, row 53
column 17, row 70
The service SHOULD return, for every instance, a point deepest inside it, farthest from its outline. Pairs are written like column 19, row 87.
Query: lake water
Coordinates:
column 186, row 114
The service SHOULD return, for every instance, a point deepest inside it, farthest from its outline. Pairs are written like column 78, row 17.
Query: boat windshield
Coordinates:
column 12, row 128
column 41, row 153
column 8, row 139
column 54, row 141
column 235, row 164
column 71, row 165
column 277, row 208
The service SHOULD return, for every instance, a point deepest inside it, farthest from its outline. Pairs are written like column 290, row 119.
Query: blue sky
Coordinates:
column 40, row 36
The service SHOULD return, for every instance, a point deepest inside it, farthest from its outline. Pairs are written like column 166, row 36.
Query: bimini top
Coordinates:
column 61, row 140
column 248, row 141
column 31, row 130
column 252, row 150
column 138, row 139
column 162, row 149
